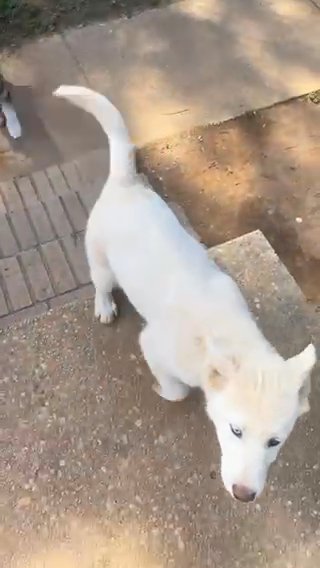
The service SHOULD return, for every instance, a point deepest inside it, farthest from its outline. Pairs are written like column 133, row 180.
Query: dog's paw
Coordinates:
column 106, row 312
column 175, row 393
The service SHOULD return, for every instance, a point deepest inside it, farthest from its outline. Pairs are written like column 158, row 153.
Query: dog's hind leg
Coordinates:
column 104, row 281
column 168, row 387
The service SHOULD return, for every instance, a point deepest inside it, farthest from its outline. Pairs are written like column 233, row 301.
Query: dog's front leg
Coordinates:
column 105, row 308
column 168, row 387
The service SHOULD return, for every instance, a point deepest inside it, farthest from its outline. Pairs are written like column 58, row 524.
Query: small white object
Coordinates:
column 12, row 122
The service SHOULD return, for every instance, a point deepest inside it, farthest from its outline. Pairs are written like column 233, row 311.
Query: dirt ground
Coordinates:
column 28, row 18
column 260, row 171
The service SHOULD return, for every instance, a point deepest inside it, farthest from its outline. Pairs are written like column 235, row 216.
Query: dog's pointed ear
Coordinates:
column 301, row 366
column 214, row 380
column 220, row 366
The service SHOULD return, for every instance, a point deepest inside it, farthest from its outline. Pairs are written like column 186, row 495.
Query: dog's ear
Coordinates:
column 220, row 366
column 214, row 380
column 300, row 367
column 302, row 364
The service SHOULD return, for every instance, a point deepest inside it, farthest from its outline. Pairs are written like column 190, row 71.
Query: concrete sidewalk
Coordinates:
column 169, row 69
column 98, row 471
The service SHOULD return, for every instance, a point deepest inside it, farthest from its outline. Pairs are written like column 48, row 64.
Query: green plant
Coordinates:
column 9, row 7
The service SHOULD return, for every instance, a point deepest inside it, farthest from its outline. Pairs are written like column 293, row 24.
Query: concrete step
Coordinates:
column 271, row 292
column 100, row 471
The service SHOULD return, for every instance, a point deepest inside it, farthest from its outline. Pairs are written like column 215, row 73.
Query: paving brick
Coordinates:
column 26, row 190
column 71, row 175
column 60, row 272
column 75, row 211
column 22, row 228
column 88, row 196
column 74, row 247
column 15, row 283
column 48, row 208
column 3, row 304
column 93, row 167
column 93, row 171
column 37, row 274
column 57, row 180
column 42, row 185
column 58, row 217
column 8, row 244
column 41, row 223
column 10, row 196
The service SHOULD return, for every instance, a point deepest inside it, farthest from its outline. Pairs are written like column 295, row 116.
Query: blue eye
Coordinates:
column 273, row 442
column 236, row 431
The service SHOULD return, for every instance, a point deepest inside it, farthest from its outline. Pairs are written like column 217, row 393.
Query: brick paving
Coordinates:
column 42, row 222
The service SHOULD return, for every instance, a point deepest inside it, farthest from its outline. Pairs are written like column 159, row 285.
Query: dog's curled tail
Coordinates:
column 122, row 154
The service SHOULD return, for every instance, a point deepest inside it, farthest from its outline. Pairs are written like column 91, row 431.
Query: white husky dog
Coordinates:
column 199, row 331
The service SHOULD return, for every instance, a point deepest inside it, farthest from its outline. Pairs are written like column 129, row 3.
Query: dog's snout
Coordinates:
column 243, row 494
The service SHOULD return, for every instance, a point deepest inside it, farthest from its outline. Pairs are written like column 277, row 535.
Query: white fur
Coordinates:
column 199, row 331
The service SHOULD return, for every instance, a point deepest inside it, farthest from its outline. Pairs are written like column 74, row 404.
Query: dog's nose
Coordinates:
column 243, row 494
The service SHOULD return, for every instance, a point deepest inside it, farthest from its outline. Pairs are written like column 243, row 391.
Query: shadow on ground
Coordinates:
column 168, row 70
column 259, row 171
column 256, row 172
column 100, row 472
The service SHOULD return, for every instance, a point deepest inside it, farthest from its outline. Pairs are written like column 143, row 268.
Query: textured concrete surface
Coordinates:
column 201, row 61
column 98, row 471
column 188, row 64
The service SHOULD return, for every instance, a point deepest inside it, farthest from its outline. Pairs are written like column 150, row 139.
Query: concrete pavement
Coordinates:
column 98, row 471
column 169, row 69
column 95, row 470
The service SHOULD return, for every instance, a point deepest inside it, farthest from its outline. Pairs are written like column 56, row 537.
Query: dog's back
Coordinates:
column 148, row 249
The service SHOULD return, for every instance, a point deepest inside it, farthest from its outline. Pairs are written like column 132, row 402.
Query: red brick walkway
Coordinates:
column 42, row 221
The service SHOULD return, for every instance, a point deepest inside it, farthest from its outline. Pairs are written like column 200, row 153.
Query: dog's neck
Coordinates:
column 245, row 342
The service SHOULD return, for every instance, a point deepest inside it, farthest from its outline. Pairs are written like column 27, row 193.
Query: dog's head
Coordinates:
column 254, row 409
